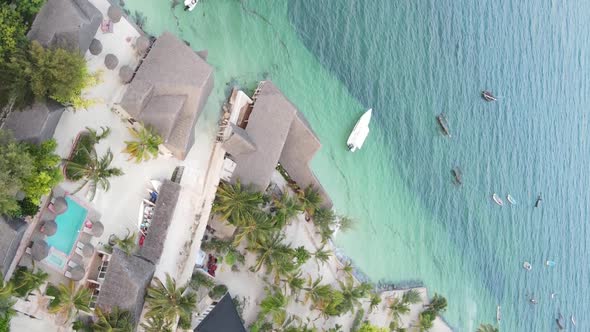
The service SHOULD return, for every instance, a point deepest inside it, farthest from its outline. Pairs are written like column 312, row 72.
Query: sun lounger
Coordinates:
column 106, row 26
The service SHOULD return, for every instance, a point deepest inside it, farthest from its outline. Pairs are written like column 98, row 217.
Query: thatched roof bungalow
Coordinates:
column 164, row 211
column 11, row 234
column 276, row 132
column 69, row 24
column 125, row 283
column 169, row 91
column 34, row 124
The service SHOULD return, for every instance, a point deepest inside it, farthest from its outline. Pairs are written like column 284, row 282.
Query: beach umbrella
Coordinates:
column 111, row 61
column 114, row 13
column 142, row 43
column 87, row 250
column 97, row 229
column 77, row 273
column 77, row 259
column 49, row 227
column 40, row 250
column 125, row 74
column 47, row 215
column 60, row 205
column 203, row 54
column 95, row 47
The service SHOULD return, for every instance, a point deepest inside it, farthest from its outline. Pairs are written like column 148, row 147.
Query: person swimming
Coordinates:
column 553, row 295
column 539, row 199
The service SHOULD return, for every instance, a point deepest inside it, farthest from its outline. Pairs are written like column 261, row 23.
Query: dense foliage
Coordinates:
column 145, row 144
column 29, row 169
column 166, row 303
column 12, row 30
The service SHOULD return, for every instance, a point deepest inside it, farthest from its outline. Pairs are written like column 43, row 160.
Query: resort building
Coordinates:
column 69, row 24
column 222, row 316
column 11, row 233
column 271, row 131
column 168, row 92
column 34, row 124
column 124, row 283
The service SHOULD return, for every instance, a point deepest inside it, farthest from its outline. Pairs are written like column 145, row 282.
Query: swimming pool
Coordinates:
column 68, row 226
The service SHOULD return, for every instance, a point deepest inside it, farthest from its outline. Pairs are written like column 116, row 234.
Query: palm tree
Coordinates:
column 317, row 293
column 345, row 223
column 374, row 301
column 168, row 301
column 68, row 300
column 274, row 304
column 286, row 209
column 236, row 203
column 95, row 173
column 128, row 243
column 95, row 138
column 6, row 299
column 347, row 268
column 310, row 200
column 326, row 222
column 411, row 297
column 322, row 256
column 272, row 253
column 425, row 320
column 255, row 227
column 487, row 328
column 145, row 146
column 25, row 281
column 156, row 324
column 351, row 295
column 398, row 308
column 116, row 320
column 438, row 304
column 295, row 282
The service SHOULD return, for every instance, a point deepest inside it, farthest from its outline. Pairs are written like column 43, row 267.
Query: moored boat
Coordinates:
column 498, row 314
column 444, row 125
column 539, row 199
column 573, row 319
column 550, row 263
column 527, row 266
column 359, row 132
column 497, row 199
column 190, row 4
column 560, row 322
column 458, row 178
column 487, row 96
column 511, row 199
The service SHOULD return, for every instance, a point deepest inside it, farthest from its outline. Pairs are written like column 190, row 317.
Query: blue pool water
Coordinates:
column 68, row 226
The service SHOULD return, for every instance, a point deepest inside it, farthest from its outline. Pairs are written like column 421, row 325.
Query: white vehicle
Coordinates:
column 360, row 132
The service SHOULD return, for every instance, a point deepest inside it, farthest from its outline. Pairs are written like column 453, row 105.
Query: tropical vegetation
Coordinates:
column 25, row 280
column 145, row 144
column 487, row 328
column 166, row 302
column 27, row 172
column 95, row 173
column 115, row 320
column 367, row 327
column 68, row 300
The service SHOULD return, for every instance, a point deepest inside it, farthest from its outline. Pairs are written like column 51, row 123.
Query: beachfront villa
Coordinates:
column 169, row 91
column 34, row 124
column 269, row 131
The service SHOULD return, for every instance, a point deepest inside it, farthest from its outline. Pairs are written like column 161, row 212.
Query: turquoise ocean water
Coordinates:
column 409, row 61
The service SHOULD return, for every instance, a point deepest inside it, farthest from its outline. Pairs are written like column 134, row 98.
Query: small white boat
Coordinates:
column 497, row 199
column 527, row 266
column 360, row 132
column 573, row 319
column 510, row 199
column 498, row 314
column 190, row 4
column 550, row 263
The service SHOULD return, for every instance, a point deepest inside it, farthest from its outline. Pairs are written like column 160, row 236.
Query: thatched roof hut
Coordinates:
column 125, row 283
column 279, row 133
column 36, row 123
column 153, row 244
column 169, row 91
column 11, row 234
column 69, row 24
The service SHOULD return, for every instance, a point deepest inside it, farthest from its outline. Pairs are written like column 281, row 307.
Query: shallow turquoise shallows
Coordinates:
column 410, row 60
column 68, row 226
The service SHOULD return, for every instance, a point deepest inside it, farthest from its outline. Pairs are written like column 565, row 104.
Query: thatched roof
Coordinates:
column 153, row 244
column 11, row 234
column 97, row 229
column 142, row 43
column 125, row 283
column 39, row 250
column 223, row 317
column 239, row 142
column 77, row 273
column 60, row 205
column 111, row 61
column 280, row 133
column 69, row 24
column 36, row 123
column 169, row 91
column 49, row 227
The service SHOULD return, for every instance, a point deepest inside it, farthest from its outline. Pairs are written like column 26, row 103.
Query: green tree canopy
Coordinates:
column 12, row 31
column 15, row 166
column 367, row 327
column 46, row 173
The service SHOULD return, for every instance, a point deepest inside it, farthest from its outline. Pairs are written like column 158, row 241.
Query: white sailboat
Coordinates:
column 360, row 132
column 190, row 4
